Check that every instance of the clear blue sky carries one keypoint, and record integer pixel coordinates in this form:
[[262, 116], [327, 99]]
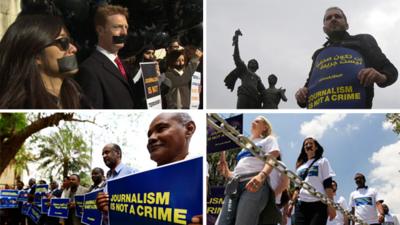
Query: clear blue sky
[[352, 143]]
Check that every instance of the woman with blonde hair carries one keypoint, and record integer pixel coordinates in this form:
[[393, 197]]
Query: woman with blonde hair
[[248, 192]]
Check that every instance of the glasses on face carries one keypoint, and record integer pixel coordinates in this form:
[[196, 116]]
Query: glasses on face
[[63, 43]]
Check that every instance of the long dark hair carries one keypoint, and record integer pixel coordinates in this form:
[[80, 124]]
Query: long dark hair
[[302, 158], [21, 85]]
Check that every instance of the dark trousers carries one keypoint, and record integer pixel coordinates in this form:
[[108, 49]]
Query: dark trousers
[[310, 213]]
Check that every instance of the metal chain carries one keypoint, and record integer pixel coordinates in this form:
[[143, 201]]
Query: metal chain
[[219, 124]]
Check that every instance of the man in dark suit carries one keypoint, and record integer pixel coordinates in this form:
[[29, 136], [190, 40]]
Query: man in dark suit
[[102, 76]]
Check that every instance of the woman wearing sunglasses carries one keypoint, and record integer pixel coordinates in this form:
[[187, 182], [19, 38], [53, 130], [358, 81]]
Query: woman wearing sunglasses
[[248, 191], [37, 62], [316, 170]]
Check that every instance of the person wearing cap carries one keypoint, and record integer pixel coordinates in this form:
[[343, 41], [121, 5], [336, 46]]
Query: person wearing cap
[[248, 191], [316, 170], [366, 203]]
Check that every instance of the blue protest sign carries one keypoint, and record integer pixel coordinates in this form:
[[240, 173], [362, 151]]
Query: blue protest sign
[[40, 191], [215, 199], [34, 213], [217, 141], [59, 207], [25, 208], [91, 215], [167, 194], [79, 199], [45, 205], [333, 82], [22, 196], [8, 199]]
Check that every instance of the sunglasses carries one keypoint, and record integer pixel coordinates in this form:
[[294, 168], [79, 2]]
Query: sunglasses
[[63, 43]]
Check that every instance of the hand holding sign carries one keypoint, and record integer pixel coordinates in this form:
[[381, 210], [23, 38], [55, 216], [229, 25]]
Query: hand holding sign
[[369, 76], [102, 201], [197, 220], [301, 95]]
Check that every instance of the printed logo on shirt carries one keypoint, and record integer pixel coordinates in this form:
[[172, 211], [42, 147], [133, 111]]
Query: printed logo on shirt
[[363, 201], [313, 172], [245, 153]]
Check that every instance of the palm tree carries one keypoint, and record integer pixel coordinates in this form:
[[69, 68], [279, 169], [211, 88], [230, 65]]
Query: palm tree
[[64, 152], [22, 158]]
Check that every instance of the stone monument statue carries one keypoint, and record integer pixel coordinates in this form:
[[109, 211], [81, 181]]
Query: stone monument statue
[[272, 96], [250, 92]]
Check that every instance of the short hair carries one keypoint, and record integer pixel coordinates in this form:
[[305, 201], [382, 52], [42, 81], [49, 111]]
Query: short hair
[[116, 148], [74, 174], [268, 124], [103, 11], [335, 8], [173, 56], [99, 169], [182, 118]]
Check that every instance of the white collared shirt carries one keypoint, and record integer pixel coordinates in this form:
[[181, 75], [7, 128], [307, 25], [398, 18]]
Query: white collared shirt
[[109, 55]]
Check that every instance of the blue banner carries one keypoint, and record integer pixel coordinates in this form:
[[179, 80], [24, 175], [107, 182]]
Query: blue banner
[[333, 82], [167, 194], [217, 141], [34, 214], [45, 205], [59, 207], [8, 199], [79, 199], [22, 196], [215, 199], [26, 206], [91, 215], [40, 191]]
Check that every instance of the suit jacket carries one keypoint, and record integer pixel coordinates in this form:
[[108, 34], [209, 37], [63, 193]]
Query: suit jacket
[[103, 83]]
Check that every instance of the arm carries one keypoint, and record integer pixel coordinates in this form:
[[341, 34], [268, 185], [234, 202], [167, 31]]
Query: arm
[[381, 212], [236, 55], [331, 210], [223, 167], [283, 184], [257, 181], [380, 70], [283, 95], [292, 202]]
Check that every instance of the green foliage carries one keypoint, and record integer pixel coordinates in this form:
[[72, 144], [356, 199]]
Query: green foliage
[[22, 158], [64, 152], [394, 118], [215, 178], [12, 122]]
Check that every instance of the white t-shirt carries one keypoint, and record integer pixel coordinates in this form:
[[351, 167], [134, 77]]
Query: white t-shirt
[[364, 202], [251, 164], [318, 172], [339, 219], [274, 179], [390, 220]]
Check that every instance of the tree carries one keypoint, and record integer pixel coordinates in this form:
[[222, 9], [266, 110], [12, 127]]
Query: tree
[[15, 130], [64, 152], [394, 118], [22, 158]]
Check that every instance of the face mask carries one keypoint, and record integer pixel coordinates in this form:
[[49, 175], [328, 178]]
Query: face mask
[[67, 64], [119, 39]]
